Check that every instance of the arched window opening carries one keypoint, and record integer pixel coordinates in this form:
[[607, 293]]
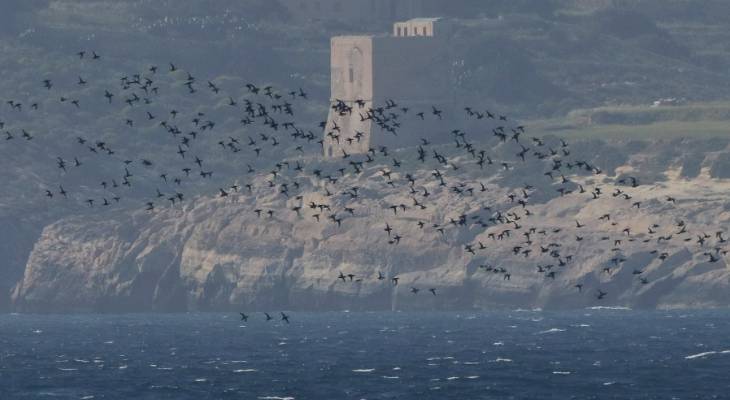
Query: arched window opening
[[354, 71]]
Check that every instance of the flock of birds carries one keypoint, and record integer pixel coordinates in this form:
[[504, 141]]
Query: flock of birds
[[282, 142], [506, 223]]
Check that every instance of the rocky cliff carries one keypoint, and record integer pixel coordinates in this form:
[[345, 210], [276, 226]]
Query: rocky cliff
[[213, 253]]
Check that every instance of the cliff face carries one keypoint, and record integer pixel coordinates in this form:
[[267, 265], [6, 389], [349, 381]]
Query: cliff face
[[217, 254]]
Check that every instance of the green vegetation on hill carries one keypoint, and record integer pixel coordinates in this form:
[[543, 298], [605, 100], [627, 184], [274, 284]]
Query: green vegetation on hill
[[695, 120]]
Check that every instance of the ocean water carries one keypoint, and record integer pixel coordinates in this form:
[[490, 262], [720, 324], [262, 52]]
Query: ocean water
[[583, 354]]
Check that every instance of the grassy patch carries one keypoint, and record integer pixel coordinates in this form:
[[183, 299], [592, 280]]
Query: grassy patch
[[697, 120]]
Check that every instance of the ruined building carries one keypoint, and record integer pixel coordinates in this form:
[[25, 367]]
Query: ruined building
[[411, 68]]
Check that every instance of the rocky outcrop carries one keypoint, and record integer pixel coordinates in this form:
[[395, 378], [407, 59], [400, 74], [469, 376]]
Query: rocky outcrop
[[217, 254]]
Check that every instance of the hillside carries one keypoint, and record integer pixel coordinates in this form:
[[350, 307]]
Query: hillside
[[550, 68], [217, 254]]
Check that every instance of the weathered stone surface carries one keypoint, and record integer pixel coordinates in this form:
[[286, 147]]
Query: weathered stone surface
[[216, 254]]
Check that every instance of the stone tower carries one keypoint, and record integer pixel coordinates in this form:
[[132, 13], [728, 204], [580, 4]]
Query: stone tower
[[410, 67]]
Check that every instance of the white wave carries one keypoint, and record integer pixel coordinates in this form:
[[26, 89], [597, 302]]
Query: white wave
[[364, 370], [500, 359], [275, 398], [81, 361], [472, 377], [68, 369], [471, 363], [201, 380], [498, 344], [87, 397], [391, 377], [561, 372], [607, 308], [238, 371], [700, 355], [553, 330], [123, 366], [452, 378]]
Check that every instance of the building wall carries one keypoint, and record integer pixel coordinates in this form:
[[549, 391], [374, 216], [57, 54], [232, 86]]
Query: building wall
[[351, 63], [351, 75], [423, 27]]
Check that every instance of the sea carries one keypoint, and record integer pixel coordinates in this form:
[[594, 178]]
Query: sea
[[598, 353]]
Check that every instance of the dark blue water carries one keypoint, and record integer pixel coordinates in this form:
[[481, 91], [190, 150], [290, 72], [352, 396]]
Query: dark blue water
[[589, 354]]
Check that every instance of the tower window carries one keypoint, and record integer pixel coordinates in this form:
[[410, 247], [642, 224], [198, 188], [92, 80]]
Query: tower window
[[424, 31], [399, 31], [405, 31], [354, 63]]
